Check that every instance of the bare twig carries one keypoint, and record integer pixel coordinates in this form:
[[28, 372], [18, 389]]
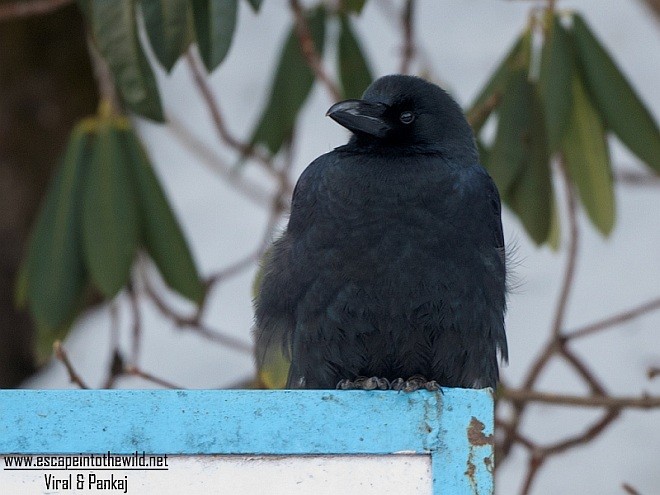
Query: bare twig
[[137, 323], [597, 401], [135, 371], [116, 363], [116, 369], [309, 51], [611, 321], [585, 373], [252, 190], [626, 487], [573, 242], [519, 437], [104, 78], [533, 465], [407, 26], [653, 373], [654, 5], [214, 108], [591, 433], [21, 9], [192, 323], [630, 178], [60, 354]]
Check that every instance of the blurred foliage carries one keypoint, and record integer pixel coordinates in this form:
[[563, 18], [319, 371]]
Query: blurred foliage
[[559, 98], [104, 204], [564, 106]]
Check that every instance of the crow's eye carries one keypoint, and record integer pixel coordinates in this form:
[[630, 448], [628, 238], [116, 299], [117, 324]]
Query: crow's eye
[[406, 117]]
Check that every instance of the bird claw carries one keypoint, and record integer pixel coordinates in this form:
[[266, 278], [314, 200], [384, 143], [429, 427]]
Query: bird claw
[[415, 383], [364, 383]]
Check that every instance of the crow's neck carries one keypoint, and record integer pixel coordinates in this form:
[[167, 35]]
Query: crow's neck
[[455, 151]]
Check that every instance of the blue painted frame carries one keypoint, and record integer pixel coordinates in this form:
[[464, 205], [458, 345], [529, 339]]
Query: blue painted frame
[[454, 427]]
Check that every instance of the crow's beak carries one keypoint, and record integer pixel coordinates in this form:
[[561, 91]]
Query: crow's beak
[[361, 116]]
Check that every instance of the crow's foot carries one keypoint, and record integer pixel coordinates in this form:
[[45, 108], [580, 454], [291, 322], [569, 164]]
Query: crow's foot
[[414, 383], [364, 383]]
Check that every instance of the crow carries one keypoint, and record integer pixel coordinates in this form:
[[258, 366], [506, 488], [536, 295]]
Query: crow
[[391, 271]]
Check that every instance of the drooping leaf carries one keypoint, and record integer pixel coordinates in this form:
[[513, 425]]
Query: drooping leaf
[[255, 4], [110, 219], [493, 91], [531, 196], [161, 232], [215, 21], [587, 160], [167, 25], [291, 85], [354, 70], [613, 97], [54, 275], [116, 35], [518, 159], [509, 153], [47, 334], [555, 81]]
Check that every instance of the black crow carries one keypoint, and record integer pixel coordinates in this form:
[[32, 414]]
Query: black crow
[[391, 271]]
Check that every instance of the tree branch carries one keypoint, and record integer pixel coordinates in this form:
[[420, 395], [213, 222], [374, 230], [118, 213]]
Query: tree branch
[[309, 51], [407, 26], [135, 371], [252, 190], [611, 321], [192, 323], [60, 354], [517, 396], [244, 148], [573, 243], [21, 9]]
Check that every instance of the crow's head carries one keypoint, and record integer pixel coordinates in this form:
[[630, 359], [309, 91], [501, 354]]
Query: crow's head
[[406, 111]]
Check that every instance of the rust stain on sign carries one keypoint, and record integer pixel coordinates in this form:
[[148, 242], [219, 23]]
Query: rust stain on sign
[[475, 434], [476, 438]]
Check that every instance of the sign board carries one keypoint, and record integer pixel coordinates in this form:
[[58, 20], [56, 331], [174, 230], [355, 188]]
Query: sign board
[[246, 442]]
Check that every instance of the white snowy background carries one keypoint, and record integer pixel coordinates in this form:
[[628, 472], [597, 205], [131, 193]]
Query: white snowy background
[[463, 41]]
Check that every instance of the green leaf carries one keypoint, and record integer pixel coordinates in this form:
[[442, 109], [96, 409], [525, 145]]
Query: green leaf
[[531, 196], [614, 98], [110, 213], [493, 91], [354, 6], [255, 4], [518, 159], [167, 25], [161, 234], [509, 152], [588, 162], [48, 334], [215, 21], [555, 81], [293, 82], [354, 70], [54, 275], [116, 36]]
